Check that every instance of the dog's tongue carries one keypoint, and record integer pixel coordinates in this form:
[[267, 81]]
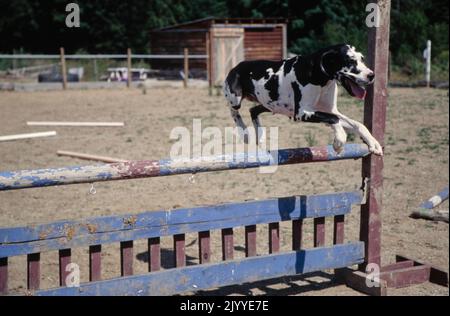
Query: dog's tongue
[[358, 92]]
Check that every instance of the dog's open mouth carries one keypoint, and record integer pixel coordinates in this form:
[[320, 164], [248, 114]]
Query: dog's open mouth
[[354, 89]]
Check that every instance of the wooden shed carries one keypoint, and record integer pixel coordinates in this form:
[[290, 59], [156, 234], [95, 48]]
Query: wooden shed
[[230, 41]]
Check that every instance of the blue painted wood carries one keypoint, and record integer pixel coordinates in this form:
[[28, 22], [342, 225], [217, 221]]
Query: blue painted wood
[[102, 230], [206, 276], [436, 200], [157, 168]]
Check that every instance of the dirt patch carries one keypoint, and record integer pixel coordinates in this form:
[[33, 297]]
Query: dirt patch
[[416, 167]]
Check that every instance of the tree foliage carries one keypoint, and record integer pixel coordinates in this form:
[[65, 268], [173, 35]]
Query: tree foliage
[[110, 26]]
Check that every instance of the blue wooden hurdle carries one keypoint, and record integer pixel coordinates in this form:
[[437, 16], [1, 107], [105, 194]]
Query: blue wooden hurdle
[[65, 235]]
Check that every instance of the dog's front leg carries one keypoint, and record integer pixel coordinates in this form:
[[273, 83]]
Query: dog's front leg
[[359, 128], [340, 137]]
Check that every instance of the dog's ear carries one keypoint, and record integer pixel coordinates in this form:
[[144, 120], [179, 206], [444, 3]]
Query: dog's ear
[[329, 63]]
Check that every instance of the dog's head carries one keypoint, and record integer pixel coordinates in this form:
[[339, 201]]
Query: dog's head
[[345, 64]]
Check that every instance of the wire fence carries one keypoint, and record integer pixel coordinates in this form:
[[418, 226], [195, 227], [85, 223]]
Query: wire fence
[[40, 68]]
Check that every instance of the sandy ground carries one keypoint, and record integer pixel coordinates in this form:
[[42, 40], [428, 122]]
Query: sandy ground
[[416, 167]]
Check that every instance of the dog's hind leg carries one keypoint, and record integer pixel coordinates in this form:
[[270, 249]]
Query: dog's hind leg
[[233, 93], [254, 113], [242, 128]]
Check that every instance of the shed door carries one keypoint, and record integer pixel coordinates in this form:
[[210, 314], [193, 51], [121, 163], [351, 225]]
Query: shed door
[[228, 50]]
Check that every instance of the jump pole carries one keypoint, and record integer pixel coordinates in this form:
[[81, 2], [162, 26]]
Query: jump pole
[[157, 168], [88, 156], [77, 124], [26, 136]]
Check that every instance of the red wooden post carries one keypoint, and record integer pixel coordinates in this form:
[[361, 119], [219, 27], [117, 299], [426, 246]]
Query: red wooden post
[[180, 250], [297, 226], [274, 237], [95, 263], [319, 231], [204, 248], [227, 244], [64, 260], [154, 254], [374, 119], [126, 258], [338, 229], [3, 276], [250, 240], [34, 271]]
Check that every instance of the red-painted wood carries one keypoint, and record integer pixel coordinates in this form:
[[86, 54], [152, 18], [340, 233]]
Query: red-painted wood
[[34, 271], [204, 247], [375, 120], [64, 260], [126, 258], [154, 254], [338, 229], [274, 237], [3, 276], [297, 229], [250, 240], [227, 244], [319, 231], [95, 263], [179, 246]]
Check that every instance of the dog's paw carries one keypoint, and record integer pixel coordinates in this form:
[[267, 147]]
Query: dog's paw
[[376, 149], [338, 145]]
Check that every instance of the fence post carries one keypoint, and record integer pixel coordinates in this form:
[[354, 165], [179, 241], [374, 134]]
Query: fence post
[[428, 63], [186, 67], [129, 75], [63, 68], [208, 63], [95, 70]]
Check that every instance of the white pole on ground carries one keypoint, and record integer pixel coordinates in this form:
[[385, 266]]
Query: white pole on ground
[[25, 136]]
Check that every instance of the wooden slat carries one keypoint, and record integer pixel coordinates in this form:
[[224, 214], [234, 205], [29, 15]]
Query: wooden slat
[[64, 260], [274, 237], [110, 229], [297, 230], [3, 276], [406, 276], [34, 271], [319, 232], [338, 229], [206, 276], [204, 247], [126, 258], [154, 254], [95, 263], [179, 247], [227, 244], [250, 241]]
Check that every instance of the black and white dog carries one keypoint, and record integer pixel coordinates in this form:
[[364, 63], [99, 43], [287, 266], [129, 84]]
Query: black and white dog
[[303, 88]]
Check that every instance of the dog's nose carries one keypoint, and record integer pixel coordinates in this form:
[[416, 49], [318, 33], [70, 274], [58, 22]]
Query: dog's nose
[[371, 76]]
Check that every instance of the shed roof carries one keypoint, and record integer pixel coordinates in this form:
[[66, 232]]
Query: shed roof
[[208, 21]]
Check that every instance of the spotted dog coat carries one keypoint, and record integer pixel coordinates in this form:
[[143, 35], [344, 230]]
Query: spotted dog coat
[[303, 88]]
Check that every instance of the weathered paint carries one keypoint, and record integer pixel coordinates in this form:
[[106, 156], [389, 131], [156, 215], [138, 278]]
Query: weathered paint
[[157, 168], [95, 263], [102, 230], [205, 276], [375, 120], [436, 199]]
